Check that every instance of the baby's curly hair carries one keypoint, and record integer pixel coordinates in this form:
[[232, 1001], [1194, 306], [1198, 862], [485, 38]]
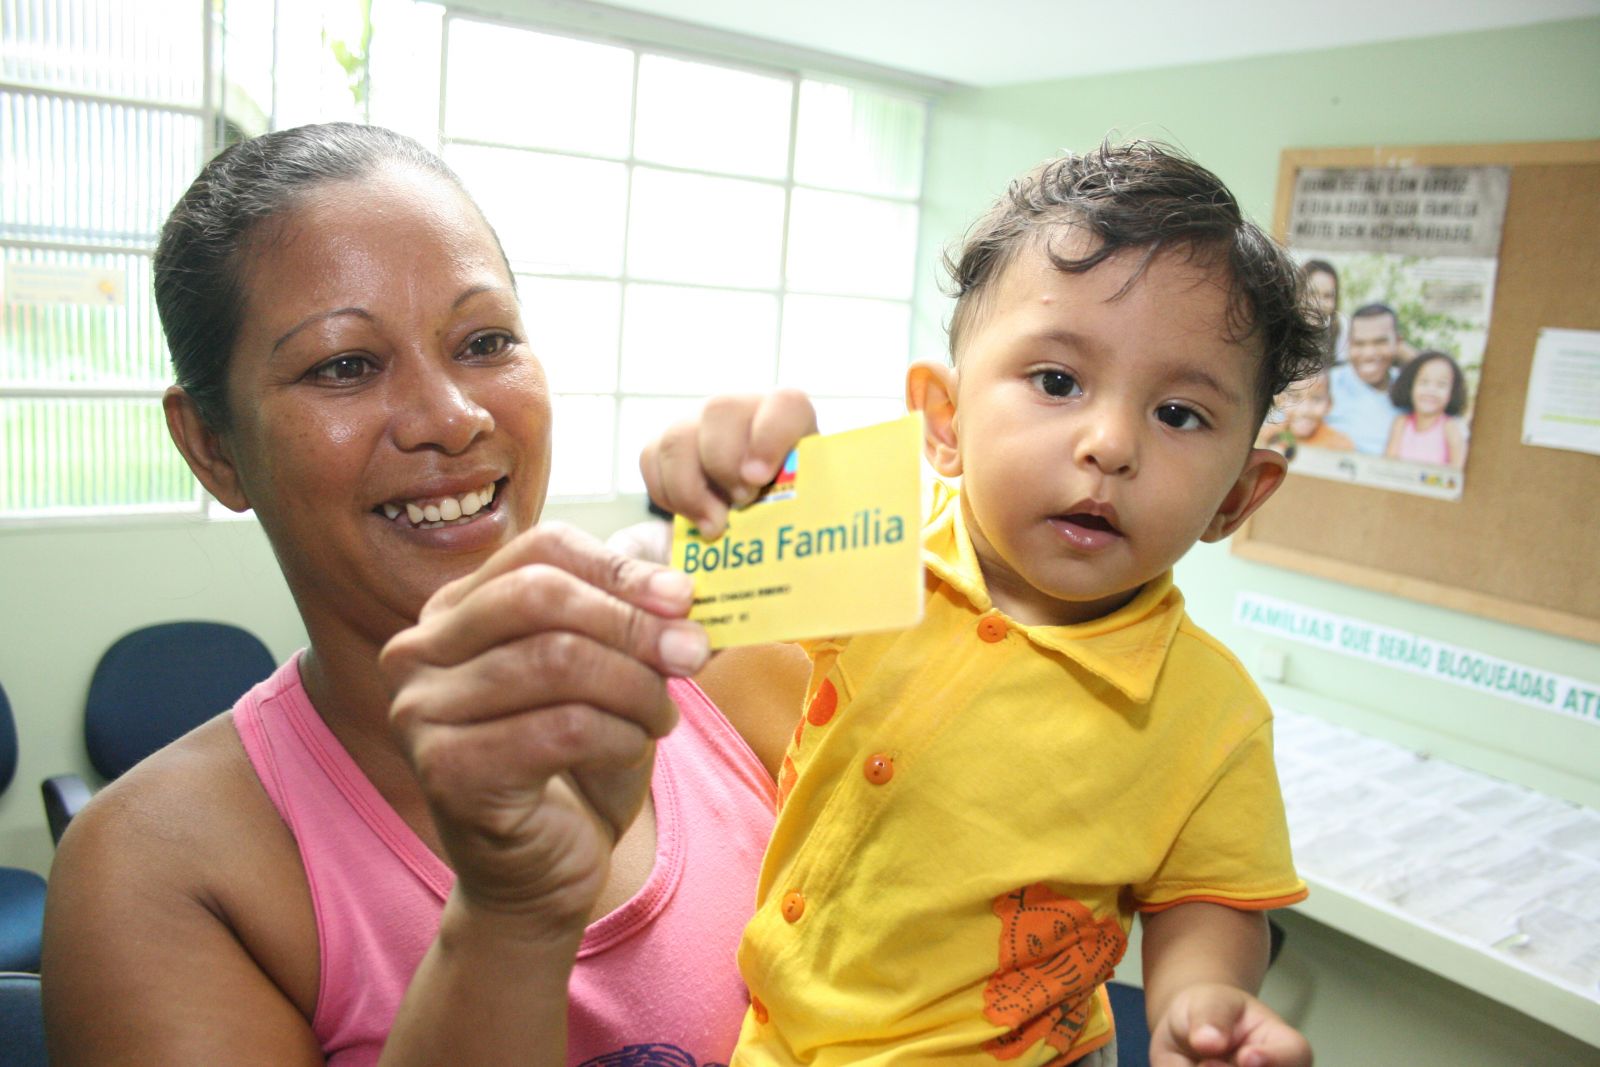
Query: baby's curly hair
[[1146, 195]]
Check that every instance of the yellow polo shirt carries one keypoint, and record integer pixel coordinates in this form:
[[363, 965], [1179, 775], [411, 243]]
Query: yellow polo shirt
[[972, 810]]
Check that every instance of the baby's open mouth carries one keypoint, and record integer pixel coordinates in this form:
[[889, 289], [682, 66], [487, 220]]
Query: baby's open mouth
[[1090, 522], [427, 513]]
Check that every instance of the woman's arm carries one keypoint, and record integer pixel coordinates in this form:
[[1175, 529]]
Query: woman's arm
[[529, 696], [761, 690], [179, 927]]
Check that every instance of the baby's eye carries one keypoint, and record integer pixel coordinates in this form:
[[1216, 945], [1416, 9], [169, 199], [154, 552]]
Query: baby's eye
[[1057, 383], [1179, 417], [342, 369], [490, 345]]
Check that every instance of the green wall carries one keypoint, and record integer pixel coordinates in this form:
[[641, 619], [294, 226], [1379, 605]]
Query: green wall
[[1533, 84]]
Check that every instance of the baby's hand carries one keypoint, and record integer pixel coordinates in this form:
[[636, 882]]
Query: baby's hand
[[1214, 1025], [701, 467]]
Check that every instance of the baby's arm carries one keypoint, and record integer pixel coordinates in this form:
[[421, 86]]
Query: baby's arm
[[701, 467], [1455, 443], [1202, 965]]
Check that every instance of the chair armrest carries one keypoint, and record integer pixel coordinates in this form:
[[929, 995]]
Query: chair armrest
[[64, 796]]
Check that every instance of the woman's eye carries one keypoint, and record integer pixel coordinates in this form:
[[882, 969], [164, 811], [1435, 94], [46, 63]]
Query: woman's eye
[[1179, 417], [489, 345], [1057, 383], [342, 369]]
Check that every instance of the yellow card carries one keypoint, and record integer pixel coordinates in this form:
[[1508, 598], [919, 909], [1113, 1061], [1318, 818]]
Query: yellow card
[[832, 547]]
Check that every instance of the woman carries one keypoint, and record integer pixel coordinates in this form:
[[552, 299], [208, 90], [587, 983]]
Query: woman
[[455, 778], [1322, 286]]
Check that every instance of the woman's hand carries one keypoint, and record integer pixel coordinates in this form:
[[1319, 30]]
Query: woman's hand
[[529, 696], [737, 445]]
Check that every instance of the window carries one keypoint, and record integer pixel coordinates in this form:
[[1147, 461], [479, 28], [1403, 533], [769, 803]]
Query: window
[[103, 122], [679, 225]]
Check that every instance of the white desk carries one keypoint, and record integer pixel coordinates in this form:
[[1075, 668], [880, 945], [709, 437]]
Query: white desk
[[1486, 883]]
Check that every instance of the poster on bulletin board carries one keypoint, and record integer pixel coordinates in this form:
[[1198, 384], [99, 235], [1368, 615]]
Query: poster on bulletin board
[[1401, 261], [1510, 546]]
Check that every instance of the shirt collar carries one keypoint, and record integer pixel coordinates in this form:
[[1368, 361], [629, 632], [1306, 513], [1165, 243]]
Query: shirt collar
[[1126, 648]]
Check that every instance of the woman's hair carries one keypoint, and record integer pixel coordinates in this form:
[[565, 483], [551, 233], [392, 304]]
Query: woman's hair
[[1322, 266], [1400, 390], [200, 258], [1148, 196]]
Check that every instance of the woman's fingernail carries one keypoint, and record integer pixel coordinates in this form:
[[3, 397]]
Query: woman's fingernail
[[684, 648], [671, 585], [755, 472]]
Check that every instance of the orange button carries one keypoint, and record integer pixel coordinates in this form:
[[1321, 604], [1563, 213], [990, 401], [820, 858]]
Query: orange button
[[992, 628], [759, 1009], [823, 705], [879, 768], [794, 906]]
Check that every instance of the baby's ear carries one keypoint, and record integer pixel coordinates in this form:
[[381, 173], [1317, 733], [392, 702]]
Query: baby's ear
[[1263, 473], [931, 389]]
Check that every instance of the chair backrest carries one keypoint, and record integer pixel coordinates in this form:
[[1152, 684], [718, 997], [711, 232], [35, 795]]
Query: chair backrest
[[159, 682], [8, 741], [21, 1021]]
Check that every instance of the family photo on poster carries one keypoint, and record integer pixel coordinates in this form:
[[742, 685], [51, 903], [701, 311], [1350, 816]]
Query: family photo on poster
[[1401, 263]]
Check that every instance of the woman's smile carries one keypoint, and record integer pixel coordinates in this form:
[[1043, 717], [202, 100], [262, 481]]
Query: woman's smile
[[431, 511]]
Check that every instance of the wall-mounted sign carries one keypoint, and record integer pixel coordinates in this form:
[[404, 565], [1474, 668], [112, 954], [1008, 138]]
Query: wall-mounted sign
[[1417, 654], [64, 283]]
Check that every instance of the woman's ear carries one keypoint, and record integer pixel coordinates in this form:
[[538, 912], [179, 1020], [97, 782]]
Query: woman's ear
[[1263, 473], [931, 389], [203, 449]]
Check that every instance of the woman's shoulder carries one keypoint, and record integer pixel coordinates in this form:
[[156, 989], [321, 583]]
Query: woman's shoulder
[[191, 794], [185, 849], [760, 690]]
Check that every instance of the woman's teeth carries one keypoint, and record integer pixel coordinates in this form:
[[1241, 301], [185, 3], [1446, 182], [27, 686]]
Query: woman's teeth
[[439, 512]]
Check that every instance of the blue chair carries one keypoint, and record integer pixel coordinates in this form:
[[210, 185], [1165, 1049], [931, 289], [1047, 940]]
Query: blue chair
[[1133, 1033], [151, 687], [21, 1022], [21, 890]]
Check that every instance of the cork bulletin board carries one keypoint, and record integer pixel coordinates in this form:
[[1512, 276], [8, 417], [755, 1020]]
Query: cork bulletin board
[[1522, 544]]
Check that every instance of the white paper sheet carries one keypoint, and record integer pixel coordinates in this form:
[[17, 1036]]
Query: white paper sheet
[[1563, 409]]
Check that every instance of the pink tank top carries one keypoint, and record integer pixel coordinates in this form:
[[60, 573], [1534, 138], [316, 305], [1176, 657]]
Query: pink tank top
[[655, 982], [1426, 446]]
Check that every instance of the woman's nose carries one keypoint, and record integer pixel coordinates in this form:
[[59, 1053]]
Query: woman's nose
[[435, 408]]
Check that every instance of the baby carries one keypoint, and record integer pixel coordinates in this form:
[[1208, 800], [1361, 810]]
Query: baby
[[973, 810]]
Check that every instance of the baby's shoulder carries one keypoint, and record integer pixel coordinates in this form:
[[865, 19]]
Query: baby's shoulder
[[1198, 662]]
